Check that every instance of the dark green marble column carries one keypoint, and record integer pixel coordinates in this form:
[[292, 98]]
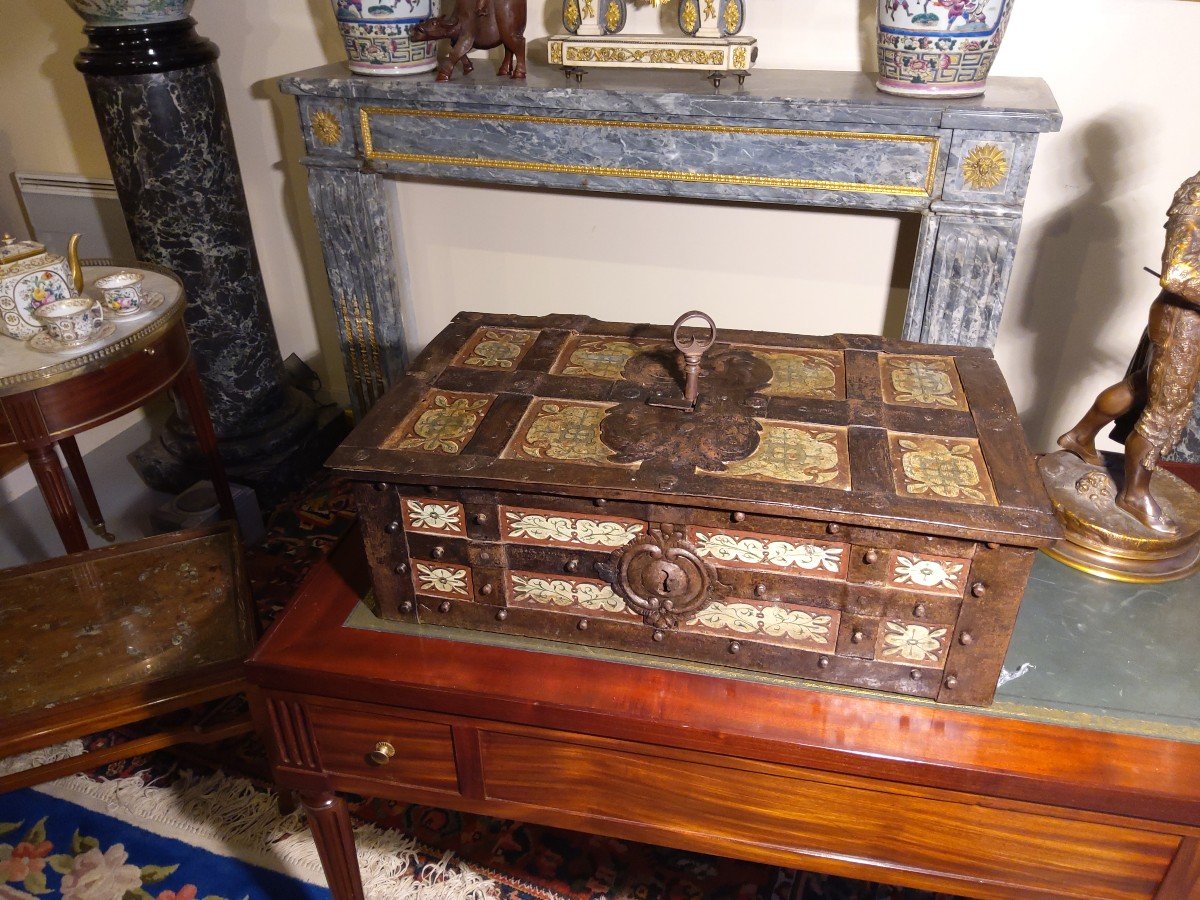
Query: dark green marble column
[[161, 108]]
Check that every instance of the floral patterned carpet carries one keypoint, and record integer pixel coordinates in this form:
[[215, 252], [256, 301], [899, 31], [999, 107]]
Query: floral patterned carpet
[[519, 860]]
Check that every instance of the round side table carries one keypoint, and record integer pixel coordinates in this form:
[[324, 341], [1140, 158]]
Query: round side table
[[48, 398]]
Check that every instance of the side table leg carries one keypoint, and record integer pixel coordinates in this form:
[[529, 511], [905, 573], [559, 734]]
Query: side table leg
[[330, 823], [49, 474], [70, 452], [191, 391]]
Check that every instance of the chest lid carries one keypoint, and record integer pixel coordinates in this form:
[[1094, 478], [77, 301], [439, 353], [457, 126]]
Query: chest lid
[[849, 428]]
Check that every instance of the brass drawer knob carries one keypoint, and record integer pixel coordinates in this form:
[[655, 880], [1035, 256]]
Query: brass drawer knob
[[738, 516], [857, 637], [392, 527], [438, 552], [978, 589], [871, 557], [382, 754], [572, 565]]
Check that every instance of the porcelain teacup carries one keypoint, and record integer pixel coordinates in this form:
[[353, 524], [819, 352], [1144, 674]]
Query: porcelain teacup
[[122, 292], [72, 321]]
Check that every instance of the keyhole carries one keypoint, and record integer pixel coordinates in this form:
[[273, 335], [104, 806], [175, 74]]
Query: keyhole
[[666, 585]]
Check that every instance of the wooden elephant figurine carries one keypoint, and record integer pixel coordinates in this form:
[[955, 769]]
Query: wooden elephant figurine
[[481, 24]]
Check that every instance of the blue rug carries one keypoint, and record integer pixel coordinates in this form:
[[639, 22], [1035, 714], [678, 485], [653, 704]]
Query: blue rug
[[202, 838]]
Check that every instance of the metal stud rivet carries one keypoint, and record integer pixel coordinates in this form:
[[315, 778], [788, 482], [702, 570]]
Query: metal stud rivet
[[438, 552], [600, 501], [480, 518], [871, 557], [738, 516], [583, 625], [978, 589], [381, 485], [401, 568], [823, 662], [572, 565], [502, 615], [834, 528], [486, 590], [915, 674], [734, 646], [951, 682], [444, 606], [392, 527], [857, 637], [760, 590], [659, 635]]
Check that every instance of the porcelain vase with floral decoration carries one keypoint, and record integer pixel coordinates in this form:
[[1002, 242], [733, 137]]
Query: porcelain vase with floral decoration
[[941, 48], [108, 13], [376, 34]]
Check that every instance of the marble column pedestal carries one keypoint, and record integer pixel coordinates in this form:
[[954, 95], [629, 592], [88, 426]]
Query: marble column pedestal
[[161, 109]]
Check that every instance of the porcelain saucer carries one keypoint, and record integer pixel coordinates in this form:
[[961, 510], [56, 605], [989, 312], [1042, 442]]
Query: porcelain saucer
[[152, 302], [46, 344]]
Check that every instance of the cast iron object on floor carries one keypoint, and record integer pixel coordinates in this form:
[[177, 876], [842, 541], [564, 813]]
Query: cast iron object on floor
[[161, 110]]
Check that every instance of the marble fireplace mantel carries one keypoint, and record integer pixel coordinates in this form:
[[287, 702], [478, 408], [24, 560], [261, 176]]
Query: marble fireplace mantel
[[802, 138]]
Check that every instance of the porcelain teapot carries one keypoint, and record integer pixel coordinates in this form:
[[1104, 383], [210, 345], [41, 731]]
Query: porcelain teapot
[[30, 277]]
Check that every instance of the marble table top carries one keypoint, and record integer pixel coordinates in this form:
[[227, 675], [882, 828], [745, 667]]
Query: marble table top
[[22, 368]]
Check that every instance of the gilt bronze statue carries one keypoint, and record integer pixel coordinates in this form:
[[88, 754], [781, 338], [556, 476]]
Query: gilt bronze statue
[[1140, 523]]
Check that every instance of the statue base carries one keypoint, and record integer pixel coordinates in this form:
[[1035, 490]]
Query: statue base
[[734, 55], [1104, 540]]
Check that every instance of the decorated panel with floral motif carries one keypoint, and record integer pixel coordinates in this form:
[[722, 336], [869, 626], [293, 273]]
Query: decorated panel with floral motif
[[913, 643], [442, 423], [442, 517], [940, 468], [438, 579], [555, 529], [819, 374], [496, 348], [930, 382], [798, 454], [801, 627], [768, 553], [561, 593], [562, 431], [589, 356], [928, 574]]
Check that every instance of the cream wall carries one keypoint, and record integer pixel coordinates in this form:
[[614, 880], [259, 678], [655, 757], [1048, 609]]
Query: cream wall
[[1078, 299]]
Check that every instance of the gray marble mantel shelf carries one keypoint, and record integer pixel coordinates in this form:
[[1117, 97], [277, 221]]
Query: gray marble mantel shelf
[[803, 138]]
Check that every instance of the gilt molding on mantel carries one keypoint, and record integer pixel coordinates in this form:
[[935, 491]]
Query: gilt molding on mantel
[[802, 138]]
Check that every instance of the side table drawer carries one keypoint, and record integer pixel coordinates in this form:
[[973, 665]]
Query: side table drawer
[[348, 738], [788, 815]]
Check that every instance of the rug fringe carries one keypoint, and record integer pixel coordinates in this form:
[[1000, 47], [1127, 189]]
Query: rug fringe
[[231, 816], [23, 762]]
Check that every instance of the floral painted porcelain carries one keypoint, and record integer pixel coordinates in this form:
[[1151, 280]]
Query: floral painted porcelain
[[131, 12], [73, 321], [122, 292], [376, 35], [29, 279], [939, 47]]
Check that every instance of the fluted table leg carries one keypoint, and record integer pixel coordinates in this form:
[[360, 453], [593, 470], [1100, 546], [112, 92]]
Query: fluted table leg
[[330, 823]]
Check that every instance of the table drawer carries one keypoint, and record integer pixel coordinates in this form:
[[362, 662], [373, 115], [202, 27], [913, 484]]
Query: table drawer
[[770, 810], [422, 757]]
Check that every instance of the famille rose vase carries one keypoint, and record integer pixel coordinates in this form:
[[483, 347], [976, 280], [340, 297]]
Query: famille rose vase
[[110, 13], [376, 34], [939, 47]]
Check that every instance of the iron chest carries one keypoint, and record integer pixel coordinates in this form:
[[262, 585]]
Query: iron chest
[[847, 509]]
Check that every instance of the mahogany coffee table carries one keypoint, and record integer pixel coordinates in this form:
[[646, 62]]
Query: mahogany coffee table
[[1082, 781]]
